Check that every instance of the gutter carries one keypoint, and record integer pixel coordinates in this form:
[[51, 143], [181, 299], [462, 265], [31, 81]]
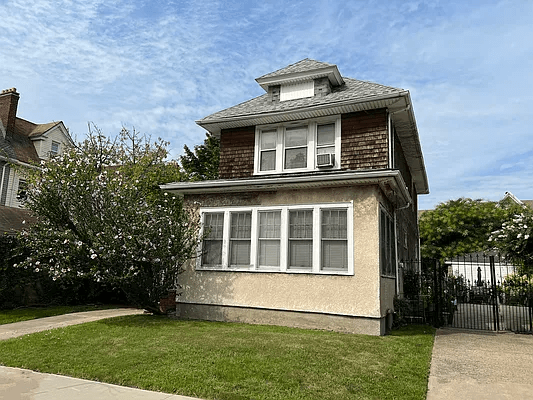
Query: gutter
[[17, 162]]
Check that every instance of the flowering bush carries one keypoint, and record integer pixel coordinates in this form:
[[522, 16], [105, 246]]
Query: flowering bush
[[515, 239], [101, 214], [517, 286]]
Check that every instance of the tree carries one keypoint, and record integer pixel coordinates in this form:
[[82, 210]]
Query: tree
[[461, 226], [515, 240], [101, 214], [202, 164]]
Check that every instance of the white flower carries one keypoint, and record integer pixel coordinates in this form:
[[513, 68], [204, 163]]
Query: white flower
[[93, 256]]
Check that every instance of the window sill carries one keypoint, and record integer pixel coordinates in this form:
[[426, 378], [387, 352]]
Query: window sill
[[273, 270]]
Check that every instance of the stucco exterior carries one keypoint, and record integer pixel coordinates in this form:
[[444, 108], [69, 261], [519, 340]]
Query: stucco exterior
[[354, 296]]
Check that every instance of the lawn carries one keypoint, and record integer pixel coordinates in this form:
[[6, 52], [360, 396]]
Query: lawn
[[229, 361], [24, 314]]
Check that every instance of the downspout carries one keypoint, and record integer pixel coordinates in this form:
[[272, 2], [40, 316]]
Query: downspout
[[396, 255], [391, 139]]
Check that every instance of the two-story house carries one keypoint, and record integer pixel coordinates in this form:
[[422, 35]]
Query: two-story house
[[315, 206], [23, 144]]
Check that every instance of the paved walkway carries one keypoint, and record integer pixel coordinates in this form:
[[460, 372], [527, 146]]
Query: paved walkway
[[22, 384], [477, 365]]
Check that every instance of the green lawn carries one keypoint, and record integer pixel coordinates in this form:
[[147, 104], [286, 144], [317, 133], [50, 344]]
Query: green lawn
[[24, 314], [230, 361]]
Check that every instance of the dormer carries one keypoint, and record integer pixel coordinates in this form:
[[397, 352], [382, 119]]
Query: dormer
[[307, 78]]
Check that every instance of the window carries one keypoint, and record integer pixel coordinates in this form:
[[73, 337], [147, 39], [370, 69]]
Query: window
[[269, 238], [55, 148], [334, 240], [294, 147], [268, 150], [212, 244], [299, 238], [387, 244], [22, 192], [240, 238]]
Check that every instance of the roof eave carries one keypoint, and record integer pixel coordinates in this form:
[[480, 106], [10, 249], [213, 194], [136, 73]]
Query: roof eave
[[332, 72], [391, 182], [216, 125]]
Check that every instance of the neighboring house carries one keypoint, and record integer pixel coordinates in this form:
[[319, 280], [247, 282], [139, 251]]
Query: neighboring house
[[315, 205], [23, 144]]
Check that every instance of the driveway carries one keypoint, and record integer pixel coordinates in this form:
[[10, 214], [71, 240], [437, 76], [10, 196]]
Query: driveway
[[481, 365]]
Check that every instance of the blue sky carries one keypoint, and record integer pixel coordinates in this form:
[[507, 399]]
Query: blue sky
[[160, 65]]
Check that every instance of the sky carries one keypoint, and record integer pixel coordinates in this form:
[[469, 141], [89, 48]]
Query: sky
[[158, 66]]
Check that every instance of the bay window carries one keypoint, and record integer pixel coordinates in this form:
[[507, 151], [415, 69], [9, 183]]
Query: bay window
[[296, 239], [294, 147]]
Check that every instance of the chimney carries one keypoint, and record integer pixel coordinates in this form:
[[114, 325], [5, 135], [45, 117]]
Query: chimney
[[9, 99]]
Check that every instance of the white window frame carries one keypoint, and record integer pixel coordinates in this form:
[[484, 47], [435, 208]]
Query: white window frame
[[311, 145], [284, 238], [52, 151]]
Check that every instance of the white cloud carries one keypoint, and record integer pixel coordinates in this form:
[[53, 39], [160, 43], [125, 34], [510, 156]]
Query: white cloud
[[159, 66]]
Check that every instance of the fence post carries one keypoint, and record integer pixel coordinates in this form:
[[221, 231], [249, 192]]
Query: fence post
[[494, 294], [436, 295]]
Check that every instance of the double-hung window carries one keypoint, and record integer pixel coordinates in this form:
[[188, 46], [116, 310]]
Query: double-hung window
[[387, 244], [334, 240], [269, 239], [240, 238], [294, 147], [301, 239], [212, 244], [314, 238], [54, 149]]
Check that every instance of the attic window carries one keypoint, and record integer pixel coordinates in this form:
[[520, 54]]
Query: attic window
[[297, 90], [55, 148]]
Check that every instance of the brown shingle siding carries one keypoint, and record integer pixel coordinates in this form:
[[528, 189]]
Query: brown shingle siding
[[364, 141], [237, 152]]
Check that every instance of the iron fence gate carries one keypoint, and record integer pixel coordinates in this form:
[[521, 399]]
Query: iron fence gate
[[471, 292]]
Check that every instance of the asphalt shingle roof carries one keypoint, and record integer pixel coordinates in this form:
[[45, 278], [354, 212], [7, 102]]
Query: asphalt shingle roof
[[11, 219], [352, 89], [301, 66]]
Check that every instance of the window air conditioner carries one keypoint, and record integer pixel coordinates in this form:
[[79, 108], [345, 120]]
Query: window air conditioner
[[325, 160]]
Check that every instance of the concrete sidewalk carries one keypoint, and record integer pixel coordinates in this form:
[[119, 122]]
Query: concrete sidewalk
[[21, 384], [479, 365], [16, 329]]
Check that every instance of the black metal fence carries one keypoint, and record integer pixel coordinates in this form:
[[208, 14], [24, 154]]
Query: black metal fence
[[477, 291]]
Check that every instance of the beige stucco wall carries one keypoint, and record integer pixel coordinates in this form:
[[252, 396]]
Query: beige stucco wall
[[355, 295]]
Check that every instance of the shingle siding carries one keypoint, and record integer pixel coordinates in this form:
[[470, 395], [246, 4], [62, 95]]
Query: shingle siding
[[364, 140], [237, 152]]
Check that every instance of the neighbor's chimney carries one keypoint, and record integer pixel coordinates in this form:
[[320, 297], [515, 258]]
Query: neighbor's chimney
[[9, 99]]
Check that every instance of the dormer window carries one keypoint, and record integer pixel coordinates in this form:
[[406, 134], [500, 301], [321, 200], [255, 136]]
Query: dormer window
[[55, 148], [296, 147], [297, 90]]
